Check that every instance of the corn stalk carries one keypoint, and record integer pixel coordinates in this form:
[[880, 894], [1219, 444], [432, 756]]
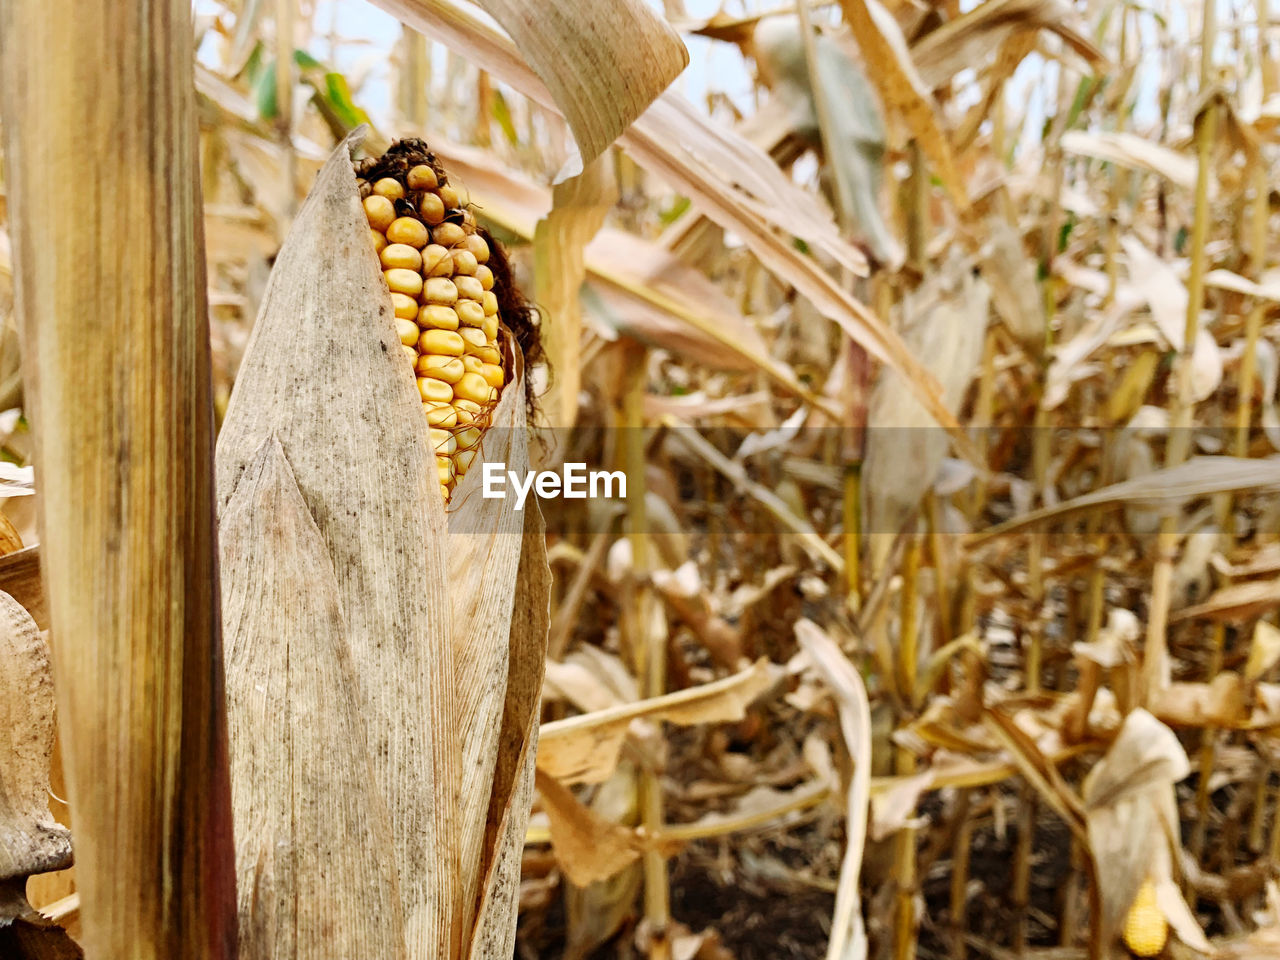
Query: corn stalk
[[110, 285]]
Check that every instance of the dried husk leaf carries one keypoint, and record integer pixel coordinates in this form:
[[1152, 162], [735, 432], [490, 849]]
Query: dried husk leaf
[[324, 374], [511, 796], [1131, 813], [584, 749], [313, 836], [31, 841], [486, 543]]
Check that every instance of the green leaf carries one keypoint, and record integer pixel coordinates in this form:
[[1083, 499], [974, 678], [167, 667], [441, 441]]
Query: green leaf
[[502, 114], [675, 211], [338, 95], [306, 61], [264, 93]]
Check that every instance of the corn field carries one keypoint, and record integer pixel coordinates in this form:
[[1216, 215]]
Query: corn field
[[607, 478]]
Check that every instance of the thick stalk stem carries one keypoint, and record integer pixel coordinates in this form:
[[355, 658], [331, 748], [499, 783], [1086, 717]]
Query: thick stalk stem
[[103, 181]]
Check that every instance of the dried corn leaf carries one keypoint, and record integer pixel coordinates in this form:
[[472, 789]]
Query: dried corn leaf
[[962, 43], [30, 840], [324, 374], [848, 934], [892, 70], [946, 323], [604, 63], [584, 749], [1130, 150], [577, 213], [1264, 651], [1236, 601], [313, 835], [1165, 490], [588, 847]]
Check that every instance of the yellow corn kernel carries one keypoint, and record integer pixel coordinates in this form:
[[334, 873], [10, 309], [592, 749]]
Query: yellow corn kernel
[[433, 390], [492, 374], [408, 282], [444, 468], [447, 235], [390, 188], [472, 338], [436, 261], [490, 303], [431, 208], [473, 387], [400, 256], [1145, 928], [466, 437], [442, 442], [471, 364], [422, 177], [441, 290], [444, 343], [448, 369], [405, 306], [470, 313], [448, 196], [437, 317], [462, 461], [490, 328], [468, 411], [469, 287], [464, 262], [408, 231], [379, 241], [440, 414], [485, 276], [489, 355], [380, 211], [407, 331], [410, 353], [479, 247]]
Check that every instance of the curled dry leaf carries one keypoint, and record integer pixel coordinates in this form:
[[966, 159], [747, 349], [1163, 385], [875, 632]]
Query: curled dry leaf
[[568, 47], [585, 749], [588, 847]]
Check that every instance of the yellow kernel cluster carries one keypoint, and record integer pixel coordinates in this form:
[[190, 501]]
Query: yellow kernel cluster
[[446, 311], [1145, 928]]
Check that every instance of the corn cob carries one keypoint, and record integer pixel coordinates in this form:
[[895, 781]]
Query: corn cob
[[435, 263], [1145, 928]]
